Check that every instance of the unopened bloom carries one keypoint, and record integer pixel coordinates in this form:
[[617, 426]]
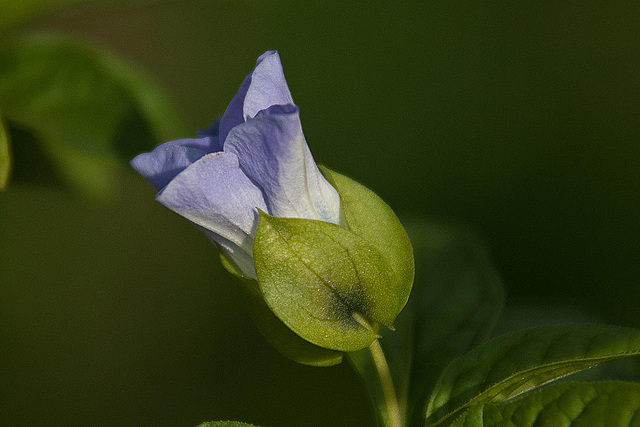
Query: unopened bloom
[[254, 157], [328, 267]]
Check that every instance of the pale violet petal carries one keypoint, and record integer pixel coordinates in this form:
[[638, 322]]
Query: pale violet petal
[[243, 260], [169, 159], [268, 86], [216, 195], [263, 87], [273, 153]]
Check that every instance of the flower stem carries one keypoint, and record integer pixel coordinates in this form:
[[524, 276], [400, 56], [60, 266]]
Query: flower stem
[[391, 401]]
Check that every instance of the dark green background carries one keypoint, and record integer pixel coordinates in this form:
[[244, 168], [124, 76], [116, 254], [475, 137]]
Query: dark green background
[[518, 120]]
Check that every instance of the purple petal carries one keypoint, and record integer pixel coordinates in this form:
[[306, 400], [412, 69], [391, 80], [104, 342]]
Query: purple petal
[[169, 159], [243, 260], [216, 195], [273, 153], [263, 87]]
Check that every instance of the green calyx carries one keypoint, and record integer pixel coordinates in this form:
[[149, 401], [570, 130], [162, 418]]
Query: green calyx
[[331, 285], [368, 216]]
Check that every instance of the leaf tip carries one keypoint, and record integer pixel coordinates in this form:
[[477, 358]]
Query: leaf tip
[[362, 321]]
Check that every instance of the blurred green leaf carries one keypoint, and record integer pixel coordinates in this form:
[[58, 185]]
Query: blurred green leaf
[[31, 165], [5, 159], [225, 424], [456, 300], [88, 109], [15, 12], [371, 218], [515, 363], [612, 404], [323, 281]]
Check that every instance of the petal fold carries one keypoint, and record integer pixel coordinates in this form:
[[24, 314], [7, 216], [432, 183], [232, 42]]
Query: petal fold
[[216, 195], [169, 159], [263, 87], [273, 153]]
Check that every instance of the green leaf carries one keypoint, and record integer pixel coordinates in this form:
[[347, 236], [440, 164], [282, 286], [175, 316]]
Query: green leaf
[[611, 404], [371, 218], [225, 424], [456, 299], [5, 159], [323, 281], [87, 109], [515, 363], [281, 337]]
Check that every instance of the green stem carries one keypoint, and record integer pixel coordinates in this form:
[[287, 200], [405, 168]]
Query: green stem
[[391, 401]]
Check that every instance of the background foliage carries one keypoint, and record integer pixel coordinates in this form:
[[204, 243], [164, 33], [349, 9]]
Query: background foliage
[[519, 121]]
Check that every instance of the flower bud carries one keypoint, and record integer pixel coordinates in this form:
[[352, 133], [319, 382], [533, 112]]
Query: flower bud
[[324, 259]]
